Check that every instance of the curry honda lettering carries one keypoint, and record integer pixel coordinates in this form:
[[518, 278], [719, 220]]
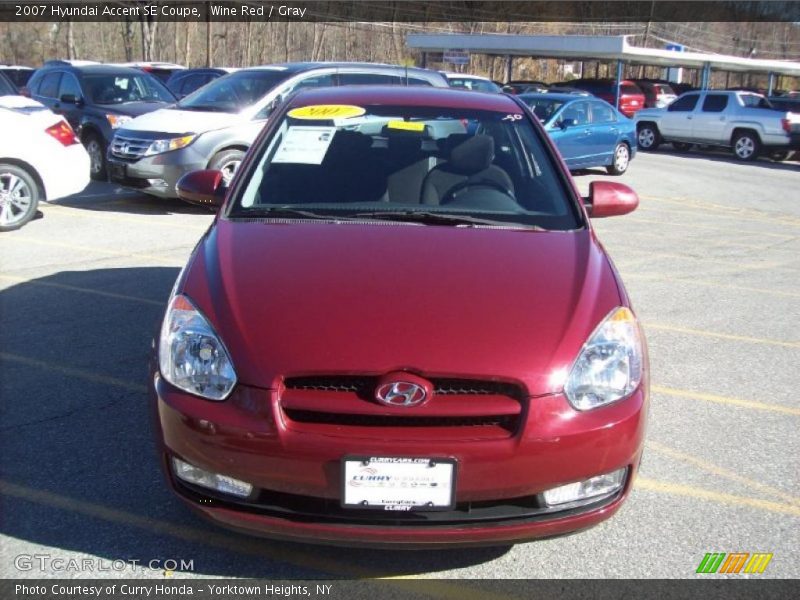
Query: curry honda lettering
[[734, 563]]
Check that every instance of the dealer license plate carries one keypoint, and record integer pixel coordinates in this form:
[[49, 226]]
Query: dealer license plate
[[398, 484]]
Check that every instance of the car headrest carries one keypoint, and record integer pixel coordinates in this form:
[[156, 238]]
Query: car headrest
[[473, 155]]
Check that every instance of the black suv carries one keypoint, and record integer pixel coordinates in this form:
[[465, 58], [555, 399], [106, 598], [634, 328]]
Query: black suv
[[96, 100]]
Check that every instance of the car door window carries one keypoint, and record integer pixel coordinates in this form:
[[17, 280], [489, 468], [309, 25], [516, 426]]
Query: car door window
[[602, 113], [684, 103], [314, 81], [367, 79], [578, 112], [49, 86], [715, 103], [69, 86]]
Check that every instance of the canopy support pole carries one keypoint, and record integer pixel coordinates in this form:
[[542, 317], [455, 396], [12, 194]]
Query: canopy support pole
[[619, 82]]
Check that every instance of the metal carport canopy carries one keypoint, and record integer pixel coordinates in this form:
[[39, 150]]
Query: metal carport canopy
[[593, 47]]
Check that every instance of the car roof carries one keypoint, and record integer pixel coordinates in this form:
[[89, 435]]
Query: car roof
[[298, 67], [93, 69], [406, 96]]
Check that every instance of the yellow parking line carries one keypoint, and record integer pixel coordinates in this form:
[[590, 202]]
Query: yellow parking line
[[73, 372], [740, 215], [678, 489], [662, 223], [733, 265], [82, 248], [703, 282], [726, 243], [721, 471], [706, 207], [75, 288], [723, 336], [667, 391], [239, 544]]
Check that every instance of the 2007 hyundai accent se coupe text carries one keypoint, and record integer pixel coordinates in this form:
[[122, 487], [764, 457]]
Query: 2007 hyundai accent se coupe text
[[401, 330]]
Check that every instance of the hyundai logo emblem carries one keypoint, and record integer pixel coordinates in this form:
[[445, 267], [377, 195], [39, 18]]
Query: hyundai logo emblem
[[400, 393]]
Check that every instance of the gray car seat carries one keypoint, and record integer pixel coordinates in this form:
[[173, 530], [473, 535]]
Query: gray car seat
[[469, 160]]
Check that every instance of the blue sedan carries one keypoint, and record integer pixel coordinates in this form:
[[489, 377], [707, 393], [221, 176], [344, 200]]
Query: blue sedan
[[588, 132]]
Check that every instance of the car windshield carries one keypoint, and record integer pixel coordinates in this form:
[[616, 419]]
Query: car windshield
[[122, 88], [430, 165], [233, 92], [544, 108]]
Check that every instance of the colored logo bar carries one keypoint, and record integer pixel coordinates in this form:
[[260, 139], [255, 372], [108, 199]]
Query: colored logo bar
[[734, 562]]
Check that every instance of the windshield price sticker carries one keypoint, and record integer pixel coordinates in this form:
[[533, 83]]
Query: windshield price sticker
[[326, 111], [398, 484], [304, 145]]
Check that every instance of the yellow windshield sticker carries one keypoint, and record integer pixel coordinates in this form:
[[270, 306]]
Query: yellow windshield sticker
[[406, 125], [326, 111]]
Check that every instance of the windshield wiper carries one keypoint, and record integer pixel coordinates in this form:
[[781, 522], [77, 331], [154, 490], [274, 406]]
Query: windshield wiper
[[202, 107], [280, 212], [437, 218]]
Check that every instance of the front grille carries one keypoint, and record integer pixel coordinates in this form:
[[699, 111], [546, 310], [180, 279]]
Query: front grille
[[309, 416], [365, 386], [474, 408], [129, 148]]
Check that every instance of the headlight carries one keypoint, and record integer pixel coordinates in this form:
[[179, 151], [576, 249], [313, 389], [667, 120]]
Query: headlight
[[117, 121], [609, 366], [161, 146], [191, 355]]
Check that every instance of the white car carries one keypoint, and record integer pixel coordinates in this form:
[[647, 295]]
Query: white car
[[40, 159]]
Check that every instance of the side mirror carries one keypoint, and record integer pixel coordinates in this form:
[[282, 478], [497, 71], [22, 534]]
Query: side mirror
[[202, 187], [564, 123], [610, 199]]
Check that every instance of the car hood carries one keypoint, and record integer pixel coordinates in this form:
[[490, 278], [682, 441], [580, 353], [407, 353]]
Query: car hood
[[292, 299], [173, 120], [132, 109]]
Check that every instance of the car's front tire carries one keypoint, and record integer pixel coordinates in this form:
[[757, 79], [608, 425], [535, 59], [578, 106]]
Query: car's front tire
[[19, 197], [620, 160], [96, 150], [647, 136]]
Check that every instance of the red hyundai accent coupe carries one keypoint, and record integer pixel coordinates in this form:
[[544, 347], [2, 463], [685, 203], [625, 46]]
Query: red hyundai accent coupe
[[401, 329]]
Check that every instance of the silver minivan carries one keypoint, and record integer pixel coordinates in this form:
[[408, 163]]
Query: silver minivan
[[213, 127]]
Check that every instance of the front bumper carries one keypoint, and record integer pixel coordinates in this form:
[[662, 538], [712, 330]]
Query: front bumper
[[156, 175], [296, 472]]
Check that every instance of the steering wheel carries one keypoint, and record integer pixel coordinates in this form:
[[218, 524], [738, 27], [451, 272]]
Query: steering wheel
[[454, 191]]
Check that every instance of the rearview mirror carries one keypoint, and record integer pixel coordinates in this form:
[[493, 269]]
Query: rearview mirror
[[567, 123], [610, 199], [202, 187]]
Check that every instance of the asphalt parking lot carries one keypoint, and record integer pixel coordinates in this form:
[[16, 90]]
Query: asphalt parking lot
[[711, 261]]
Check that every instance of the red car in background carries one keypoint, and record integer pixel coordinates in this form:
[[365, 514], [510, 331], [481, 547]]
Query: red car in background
[[401, 329], [631, 97]]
